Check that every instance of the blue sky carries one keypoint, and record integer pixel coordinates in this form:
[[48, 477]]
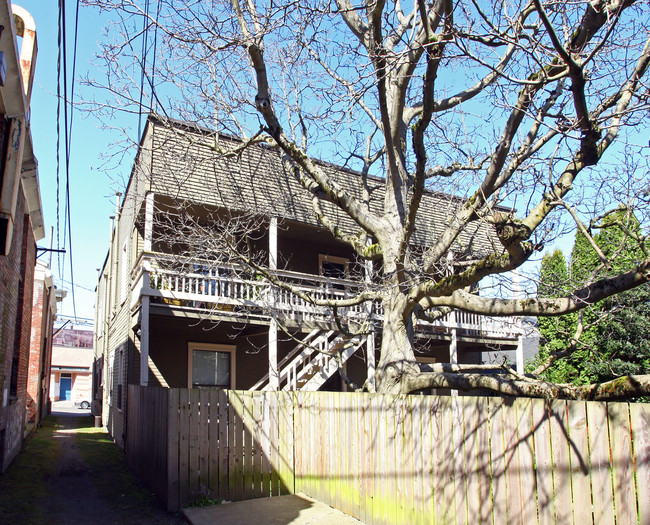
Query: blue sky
[[91, 191]]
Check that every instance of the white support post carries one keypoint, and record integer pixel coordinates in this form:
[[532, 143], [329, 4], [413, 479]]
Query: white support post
[[144, 340], [148, 221], [274, 378], [453, 353], [370, 357], [370, 341], [273, 244], [519, 355]]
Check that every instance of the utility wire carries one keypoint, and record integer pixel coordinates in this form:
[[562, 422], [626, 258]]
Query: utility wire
[[143, 65], [153, 64], [58, 139], [67, 143], [67, 158], [68, 106]]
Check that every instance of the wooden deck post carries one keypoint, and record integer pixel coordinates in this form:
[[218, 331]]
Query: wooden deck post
[[144, 340], [274, 378], [453, 352], [519, 354], [148, 221], [370, 339]]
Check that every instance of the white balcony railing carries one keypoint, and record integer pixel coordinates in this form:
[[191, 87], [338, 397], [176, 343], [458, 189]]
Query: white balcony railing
[[227, 290]]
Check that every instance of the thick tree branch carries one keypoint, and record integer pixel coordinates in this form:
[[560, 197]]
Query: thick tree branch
[[581, 298], [620, 388]]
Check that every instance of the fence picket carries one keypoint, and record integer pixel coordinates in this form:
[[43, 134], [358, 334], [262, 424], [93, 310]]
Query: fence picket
[[224, 444], [397, 459], [204, 442], [363, 430], [448, 510], [543, 462], [265, 443], [193, 429], [214, 446], [640, 419], [257, 446], [438, 480], [184, 447], [497, 458], [621, 452], [526, 461], [513, 482], [600, 465], [402, 423], [173, 432], [247, 463], [561, 467], [458, 455], [471, 424], [237, 406], [418, 460], [275, 453], [579, 454], [285, 443]]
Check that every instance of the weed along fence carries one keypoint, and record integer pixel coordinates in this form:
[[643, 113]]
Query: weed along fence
[[398, 459]]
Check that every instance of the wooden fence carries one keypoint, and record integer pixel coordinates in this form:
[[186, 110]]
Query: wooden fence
[[398, 459]]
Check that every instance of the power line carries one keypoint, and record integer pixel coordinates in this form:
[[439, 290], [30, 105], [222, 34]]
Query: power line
[[68, 105], [58, 137], [77, 286], [143, 66], [67, 160]]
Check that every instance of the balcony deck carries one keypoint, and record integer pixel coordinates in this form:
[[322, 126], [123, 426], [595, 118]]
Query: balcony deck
[[226, 291]]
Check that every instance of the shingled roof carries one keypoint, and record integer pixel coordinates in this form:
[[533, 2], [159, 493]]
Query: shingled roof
[[185, 165]]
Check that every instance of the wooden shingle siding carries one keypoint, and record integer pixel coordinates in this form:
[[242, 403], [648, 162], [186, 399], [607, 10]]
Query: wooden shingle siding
[[184, 166]]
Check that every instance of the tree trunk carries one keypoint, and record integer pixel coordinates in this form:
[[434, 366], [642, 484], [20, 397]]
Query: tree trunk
[[397, 358]]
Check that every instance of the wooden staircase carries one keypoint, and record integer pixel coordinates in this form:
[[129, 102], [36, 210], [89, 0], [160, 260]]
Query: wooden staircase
[[314, 360]]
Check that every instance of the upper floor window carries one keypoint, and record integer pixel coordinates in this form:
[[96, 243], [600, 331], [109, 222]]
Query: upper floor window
[[333, 267], [124, 272]]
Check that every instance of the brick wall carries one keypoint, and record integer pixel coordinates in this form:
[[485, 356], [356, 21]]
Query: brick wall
[[16, 291], [38, 372]]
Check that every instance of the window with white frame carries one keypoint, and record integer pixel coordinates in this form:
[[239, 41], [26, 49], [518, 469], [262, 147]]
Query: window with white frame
[[120, 379], [124, 275], [211, 365], [110, 378]]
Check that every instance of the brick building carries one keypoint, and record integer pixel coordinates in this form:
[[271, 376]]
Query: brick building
[[21, 223], [45, 299]]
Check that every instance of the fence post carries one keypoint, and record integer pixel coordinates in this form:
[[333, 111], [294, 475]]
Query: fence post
[[173, 429]]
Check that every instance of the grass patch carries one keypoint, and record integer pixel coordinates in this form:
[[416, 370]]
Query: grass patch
[[111, 475], [24, 486]]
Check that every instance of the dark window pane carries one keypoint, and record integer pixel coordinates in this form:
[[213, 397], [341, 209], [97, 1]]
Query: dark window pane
[[210, 368]]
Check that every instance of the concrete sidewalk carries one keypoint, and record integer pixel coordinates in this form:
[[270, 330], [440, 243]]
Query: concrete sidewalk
[[280, 510]]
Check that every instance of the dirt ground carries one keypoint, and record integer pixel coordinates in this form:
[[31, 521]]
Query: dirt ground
[[87, 481]]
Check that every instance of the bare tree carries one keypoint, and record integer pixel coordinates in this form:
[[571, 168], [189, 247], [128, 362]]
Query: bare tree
[[533, 105]]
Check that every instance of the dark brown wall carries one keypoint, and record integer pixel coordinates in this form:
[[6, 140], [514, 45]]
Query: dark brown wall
[[168, 348]]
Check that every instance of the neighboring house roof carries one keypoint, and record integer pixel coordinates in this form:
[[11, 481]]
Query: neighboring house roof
[[184, 165]]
